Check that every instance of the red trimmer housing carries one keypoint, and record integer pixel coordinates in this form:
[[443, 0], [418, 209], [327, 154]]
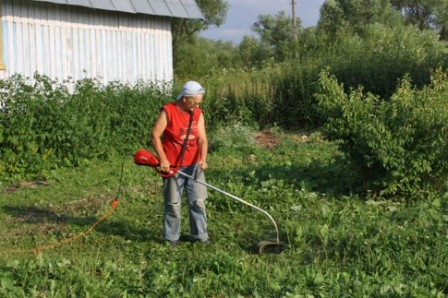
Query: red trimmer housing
[[145, 158]]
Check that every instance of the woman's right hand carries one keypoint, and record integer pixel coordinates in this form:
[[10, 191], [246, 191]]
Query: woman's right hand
[[164, 166]]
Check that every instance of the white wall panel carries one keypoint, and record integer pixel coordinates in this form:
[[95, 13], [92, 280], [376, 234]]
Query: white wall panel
[[64, 42]]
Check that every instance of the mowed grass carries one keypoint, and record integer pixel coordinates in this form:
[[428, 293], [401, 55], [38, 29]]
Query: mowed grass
[[335, 244]]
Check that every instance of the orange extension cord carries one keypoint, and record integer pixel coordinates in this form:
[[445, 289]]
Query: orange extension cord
[[38, 249], [114, 205]]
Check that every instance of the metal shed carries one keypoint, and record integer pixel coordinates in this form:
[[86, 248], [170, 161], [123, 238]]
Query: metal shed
[[110, 40]]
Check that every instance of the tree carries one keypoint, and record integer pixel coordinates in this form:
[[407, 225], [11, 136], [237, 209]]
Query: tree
[[443, 21], [215, 13], [277, 33], [200, 57], [253, 52], [354, 14], [185, 32], [331, 17], [425, 14]]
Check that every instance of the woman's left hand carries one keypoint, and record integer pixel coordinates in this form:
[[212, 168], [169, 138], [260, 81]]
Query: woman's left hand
[[203, 165]]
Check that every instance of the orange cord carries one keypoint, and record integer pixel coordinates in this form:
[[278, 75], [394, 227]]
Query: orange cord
[[38, 249]]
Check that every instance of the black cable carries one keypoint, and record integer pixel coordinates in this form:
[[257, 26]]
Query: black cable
[[120, 185]]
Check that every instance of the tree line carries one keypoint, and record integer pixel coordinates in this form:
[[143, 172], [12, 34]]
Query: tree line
[[273, 34]]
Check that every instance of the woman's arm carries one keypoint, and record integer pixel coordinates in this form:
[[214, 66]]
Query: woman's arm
[[203, 143], [156, 134]]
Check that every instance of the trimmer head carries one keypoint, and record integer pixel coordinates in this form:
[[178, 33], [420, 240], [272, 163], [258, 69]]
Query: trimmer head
[[270, 246]]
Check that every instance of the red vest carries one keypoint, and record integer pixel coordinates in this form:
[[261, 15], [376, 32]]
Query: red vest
[[175, 133]]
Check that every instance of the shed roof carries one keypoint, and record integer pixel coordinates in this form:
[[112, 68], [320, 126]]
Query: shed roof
[[172, 8]]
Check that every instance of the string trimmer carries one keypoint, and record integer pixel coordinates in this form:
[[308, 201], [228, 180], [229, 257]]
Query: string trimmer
[[145, 158]]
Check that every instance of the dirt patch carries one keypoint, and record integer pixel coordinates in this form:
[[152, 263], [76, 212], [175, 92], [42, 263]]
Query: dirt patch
[[266, 139], [76, 211], [86, 206], [29, 215], [24, 184]]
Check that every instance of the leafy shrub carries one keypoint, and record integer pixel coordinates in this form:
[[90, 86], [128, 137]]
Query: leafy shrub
[[398, 146], [27, 114], [44, 126]]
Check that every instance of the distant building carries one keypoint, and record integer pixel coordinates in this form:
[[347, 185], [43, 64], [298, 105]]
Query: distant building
[[110, 40]]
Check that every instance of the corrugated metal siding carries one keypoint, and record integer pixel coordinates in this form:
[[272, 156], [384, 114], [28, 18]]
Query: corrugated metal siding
[[169, 8], [68, 41]]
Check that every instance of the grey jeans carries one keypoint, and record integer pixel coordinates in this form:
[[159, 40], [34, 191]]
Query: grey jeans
[[196, 195]]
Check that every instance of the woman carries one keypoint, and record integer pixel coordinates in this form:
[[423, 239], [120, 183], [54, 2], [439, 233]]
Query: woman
[[180, 140]]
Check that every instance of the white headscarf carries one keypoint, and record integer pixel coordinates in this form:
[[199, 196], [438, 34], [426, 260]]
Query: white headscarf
[[191, 88]]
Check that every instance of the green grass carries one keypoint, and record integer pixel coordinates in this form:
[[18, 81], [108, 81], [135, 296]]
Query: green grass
[[336, 245]]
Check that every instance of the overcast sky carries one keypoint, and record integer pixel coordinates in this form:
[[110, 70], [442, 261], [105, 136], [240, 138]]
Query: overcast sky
[[243, 13]]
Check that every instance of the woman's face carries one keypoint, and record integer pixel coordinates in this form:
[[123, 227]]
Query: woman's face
[[192, 102]]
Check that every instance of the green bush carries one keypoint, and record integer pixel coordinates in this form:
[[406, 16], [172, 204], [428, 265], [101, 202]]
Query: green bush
[[397, 146], [44, 126], [30, 117]]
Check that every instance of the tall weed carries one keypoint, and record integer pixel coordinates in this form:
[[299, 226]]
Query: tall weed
[[44, 126], [245, 96]]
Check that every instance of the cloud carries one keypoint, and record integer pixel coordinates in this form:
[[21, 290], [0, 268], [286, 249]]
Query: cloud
[[257, 7], [233, 35]]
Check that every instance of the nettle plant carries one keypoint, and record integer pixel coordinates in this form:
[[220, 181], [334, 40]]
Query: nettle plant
[[399, 146], [44, 125]]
